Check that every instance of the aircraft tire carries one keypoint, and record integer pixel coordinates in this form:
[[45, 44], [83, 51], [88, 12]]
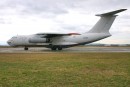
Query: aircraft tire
[[59, 48], [26, 48], [53, 48]]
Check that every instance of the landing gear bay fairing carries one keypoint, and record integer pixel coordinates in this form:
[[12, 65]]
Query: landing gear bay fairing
[[58, 41]]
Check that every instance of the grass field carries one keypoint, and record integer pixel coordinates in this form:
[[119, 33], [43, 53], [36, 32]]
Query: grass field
[[65, 70]]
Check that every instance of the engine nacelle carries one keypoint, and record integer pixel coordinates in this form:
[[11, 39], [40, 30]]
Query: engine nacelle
[[37, 40]]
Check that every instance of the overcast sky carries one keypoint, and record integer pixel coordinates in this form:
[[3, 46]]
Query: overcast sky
[[24, 17]]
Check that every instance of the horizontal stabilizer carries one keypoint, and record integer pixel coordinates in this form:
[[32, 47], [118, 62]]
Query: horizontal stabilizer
[[111, 13]]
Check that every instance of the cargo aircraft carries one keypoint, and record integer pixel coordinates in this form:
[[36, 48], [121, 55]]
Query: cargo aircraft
[[58, 41]]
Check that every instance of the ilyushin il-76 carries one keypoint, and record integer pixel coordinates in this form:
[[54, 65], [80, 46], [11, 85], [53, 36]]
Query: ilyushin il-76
[[58, 41]]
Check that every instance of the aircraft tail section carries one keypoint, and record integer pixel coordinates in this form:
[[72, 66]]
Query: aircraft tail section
[[105, 22]]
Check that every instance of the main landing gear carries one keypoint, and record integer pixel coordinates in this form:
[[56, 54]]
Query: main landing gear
[[56, 48]]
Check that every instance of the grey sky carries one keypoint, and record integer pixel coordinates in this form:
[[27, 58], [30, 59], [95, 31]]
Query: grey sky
[[33, 16]]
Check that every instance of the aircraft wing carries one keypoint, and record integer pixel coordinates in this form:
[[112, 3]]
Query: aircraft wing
[[50, 35]]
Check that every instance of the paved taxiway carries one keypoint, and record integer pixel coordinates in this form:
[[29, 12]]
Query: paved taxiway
[[73, 49]]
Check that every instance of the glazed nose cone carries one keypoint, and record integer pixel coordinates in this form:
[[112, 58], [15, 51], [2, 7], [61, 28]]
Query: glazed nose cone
[[10, 42]]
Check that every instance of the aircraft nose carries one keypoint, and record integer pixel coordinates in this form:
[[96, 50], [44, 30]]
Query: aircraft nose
[[10, 42]]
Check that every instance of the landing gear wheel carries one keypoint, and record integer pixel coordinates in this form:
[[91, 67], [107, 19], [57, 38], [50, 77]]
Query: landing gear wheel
[[59, 48], [53, 48], [56, 48], [26, 48]]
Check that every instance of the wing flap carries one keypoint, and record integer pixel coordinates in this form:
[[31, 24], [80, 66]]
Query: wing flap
[[50, 35]]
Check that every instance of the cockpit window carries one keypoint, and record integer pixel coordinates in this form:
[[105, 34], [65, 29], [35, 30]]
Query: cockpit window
[[14, 37]]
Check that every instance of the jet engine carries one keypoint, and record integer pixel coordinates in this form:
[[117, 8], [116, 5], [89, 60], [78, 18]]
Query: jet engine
[[37, 40]]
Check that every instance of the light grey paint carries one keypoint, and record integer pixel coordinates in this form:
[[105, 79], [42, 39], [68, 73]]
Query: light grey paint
[[98, 32]]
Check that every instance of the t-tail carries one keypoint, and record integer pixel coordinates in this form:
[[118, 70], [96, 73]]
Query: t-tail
[[105, 22]]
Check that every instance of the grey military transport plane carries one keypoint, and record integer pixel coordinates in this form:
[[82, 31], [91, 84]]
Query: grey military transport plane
[[57, 41]]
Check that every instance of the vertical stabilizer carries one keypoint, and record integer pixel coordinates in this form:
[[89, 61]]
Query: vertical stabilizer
[[105, 22]]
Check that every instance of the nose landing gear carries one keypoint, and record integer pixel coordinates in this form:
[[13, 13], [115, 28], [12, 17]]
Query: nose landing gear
[[26, 48]]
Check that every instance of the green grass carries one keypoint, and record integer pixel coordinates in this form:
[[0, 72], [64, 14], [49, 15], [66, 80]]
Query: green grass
[[65, 70]]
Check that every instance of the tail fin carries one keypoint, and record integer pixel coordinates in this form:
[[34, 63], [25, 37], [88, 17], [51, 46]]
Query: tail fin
[[105, 22]]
